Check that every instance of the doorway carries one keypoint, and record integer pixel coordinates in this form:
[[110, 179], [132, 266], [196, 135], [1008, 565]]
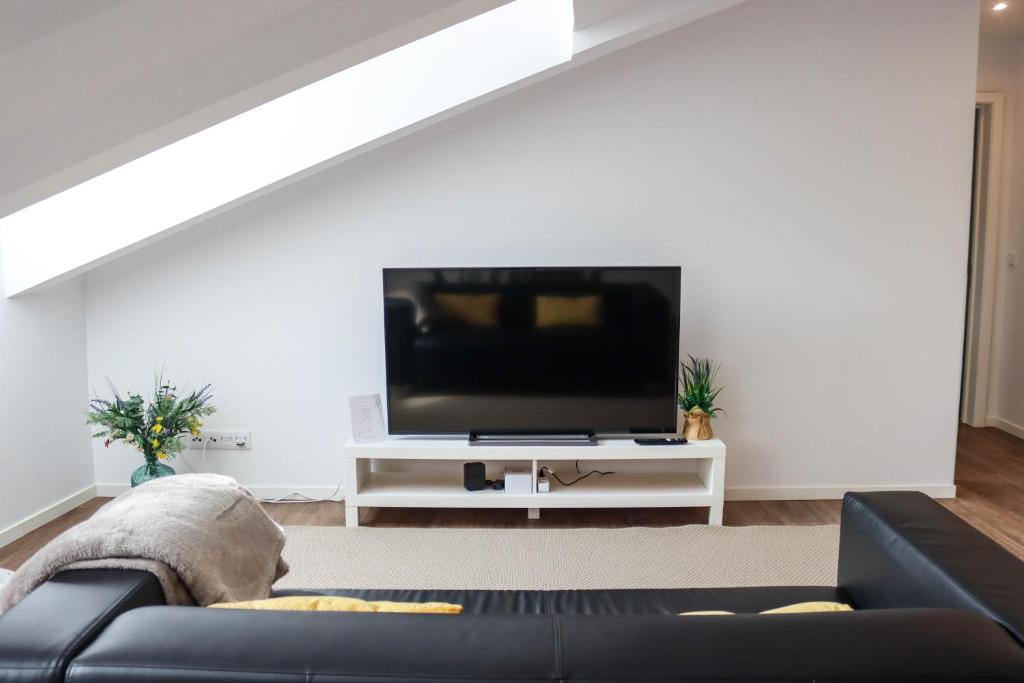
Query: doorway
[[982, 259]]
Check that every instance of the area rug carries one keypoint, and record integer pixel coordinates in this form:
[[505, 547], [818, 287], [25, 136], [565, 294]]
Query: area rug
[[527, 559]]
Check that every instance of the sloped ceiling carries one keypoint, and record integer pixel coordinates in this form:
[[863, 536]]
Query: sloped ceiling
[[111, 82], [83, 81]]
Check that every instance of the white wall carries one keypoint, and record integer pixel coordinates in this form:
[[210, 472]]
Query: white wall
[[807, 163], [1001, 69], [44, 448]]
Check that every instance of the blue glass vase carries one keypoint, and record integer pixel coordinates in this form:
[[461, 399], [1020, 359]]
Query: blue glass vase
[[153, 469]]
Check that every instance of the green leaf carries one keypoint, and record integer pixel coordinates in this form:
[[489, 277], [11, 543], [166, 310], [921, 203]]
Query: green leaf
[[697, 385], [132, 420]]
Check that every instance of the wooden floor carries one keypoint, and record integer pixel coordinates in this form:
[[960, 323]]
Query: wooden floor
[[990, 495]]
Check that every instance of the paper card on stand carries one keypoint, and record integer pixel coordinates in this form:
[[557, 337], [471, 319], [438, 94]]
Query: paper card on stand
[[367, 418]]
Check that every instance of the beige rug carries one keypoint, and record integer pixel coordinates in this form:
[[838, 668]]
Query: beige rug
[[678, 557]]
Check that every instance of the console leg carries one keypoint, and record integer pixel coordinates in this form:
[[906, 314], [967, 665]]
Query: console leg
[[715, 515], [351, 516], [533, 513]]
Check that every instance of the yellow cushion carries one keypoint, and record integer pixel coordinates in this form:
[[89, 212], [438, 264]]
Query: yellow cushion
[[480, 310], [568, 310], [418, 607], [705, 613], [331, 603], [808, 607], [798, 608]]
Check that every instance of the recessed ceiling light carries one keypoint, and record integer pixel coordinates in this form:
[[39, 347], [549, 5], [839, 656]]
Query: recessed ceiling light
[[999, 6]]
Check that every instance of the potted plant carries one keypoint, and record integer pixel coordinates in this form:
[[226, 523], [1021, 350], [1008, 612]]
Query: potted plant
[[155, 429], [696, 397]]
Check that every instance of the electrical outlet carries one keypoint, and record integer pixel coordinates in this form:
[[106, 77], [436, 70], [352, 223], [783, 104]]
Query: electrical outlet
[[222, 440]]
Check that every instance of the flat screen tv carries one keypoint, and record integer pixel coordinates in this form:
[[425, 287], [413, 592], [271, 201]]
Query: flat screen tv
[[515, 351]]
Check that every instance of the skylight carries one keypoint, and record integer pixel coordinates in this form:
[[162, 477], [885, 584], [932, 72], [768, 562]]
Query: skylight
[[260, 149]]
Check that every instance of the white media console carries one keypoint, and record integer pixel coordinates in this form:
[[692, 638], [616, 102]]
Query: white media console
[[426, 472]]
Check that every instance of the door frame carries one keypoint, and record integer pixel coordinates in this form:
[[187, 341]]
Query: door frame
[[985, 239]]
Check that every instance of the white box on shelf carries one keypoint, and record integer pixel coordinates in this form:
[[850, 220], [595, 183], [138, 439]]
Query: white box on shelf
[[543, 485], [367, 418], [518, 480]]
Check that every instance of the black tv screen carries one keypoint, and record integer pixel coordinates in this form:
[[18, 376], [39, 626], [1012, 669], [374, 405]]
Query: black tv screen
[[531, 350]]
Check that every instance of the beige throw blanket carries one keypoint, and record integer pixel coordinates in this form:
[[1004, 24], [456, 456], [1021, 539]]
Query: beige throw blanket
[[205, 538]]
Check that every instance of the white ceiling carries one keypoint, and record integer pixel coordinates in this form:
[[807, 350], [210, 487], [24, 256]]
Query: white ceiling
[[1008, 23], [592, 11], [119, 80], [84, 79], [283, 141], [90, 84], [28, 20]]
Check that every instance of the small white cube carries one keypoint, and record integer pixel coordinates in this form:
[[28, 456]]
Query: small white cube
[[518, 480]]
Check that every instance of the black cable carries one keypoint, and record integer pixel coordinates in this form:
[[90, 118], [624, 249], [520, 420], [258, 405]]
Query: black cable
[[578, 479]]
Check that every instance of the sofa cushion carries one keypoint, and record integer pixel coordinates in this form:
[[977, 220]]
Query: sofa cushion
[[798, 608], [231, 646], [601, 602], [810, 608], [473, 602], [337, 603], [673, 601]]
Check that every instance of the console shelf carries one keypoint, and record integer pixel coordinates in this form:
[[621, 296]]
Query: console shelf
[[381, 474]]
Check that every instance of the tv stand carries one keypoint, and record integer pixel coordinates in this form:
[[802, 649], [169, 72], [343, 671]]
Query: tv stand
[[427, 473], [479, 439]]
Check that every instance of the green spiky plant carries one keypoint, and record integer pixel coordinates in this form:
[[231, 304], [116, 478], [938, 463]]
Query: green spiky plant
[[697, 386], [154, 428]]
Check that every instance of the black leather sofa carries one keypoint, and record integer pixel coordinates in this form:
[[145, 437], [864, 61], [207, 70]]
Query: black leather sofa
[[934, 599]]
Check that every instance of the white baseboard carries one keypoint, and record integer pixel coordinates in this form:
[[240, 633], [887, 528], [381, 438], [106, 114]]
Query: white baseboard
[[111, 490], [1005, 425], [830, 492], [263, 492], [47, 514], [740, 493]]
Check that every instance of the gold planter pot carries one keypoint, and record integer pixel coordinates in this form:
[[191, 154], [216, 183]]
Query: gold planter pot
[[697, 426]]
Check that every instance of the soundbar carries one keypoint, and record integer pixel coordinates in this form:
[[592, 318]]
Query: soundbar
[[478, 439]]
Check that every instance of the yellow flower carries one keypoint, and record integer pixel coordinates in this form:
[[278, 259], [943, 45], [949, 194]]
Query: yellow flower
[[158, 428], [161, 455], [156, 443]]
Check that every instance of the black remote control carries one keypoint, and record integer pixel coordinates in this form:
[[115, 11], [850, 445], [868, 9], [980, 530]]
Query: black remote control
[[660, 442]]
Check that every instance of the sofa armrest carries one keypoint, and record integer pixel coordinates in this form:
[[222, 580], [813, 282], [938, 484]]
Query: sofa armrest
[[40, 635], [902, 549]]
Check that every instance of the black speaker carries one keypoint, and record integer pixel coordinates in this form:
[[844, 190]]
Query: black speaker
[[474, 476]]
